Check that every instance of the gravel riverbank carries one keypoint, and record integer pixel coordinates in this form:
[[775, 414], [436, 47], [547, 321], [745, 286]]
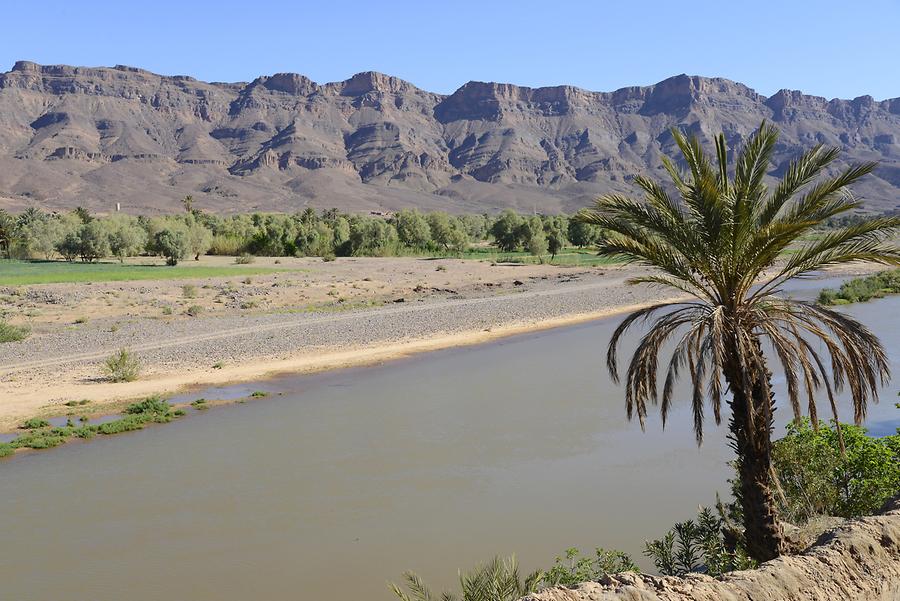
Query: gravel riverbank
[[40, 374]]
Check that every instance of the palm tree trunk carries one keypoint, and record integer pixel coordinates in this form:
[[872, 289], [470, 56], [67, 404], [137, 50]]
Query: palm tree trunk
[[751, 438]]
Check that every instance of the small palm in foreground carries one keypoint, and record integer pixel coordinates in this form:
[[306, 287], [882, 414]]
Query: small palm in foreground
[[498, 580], [720, 244]]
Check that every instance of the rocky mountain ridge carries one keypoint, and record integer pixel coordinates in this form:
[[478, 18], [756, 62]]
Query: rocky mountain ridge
[[100, 136]]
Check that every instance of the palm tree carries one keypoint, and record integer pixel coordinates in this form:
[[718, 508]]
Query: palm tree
[[729, 244]]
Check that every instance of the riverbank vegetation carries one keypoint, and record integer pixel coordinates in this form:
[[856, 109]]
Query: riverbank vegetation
[[41, 435], [860, 290]]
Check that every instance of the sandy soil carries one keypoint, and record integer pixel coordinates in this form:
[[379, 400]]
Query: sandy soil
[[298, 325], [301, 284]]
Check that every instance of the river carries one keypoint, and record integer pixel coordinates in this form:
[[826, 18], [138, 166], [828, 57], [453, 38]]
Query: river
[[339, 482]]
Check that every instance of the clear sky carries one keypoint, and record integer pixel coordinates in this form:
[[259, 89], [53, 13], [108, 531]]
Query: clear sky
[[828, 48]]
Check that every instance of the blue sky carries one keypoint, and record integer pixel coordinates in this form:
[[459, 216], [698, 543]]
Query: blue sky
[[833, 49]]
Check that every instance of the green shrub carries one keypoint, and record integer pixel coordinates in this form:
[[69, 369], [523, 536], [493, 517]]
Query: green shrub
[[244, 259], [118, 426], [122, 366], [817, 480], [573, 569], [695, 547], [44, 441], [258, 394], [194, 310], [862, 289], [189, 291], [81, 320], [80, 403], [6, 449], [150, 405], [10, 333], [34, 423]]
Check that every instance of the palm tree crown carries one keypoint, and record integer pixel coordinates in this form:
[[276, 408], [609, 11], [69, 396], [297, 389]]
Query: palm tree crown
[[729, 243]]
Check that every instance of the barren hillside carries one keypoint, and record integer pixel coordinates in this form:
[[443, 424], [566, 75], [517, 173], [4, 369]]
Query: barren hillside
[[100, 136]]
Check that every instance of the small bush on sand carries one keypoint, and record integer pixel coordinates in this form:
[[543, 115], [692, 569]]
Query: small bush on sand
[[194, 310], [189, 291], [244, 259], [10, 333], [122, 366]]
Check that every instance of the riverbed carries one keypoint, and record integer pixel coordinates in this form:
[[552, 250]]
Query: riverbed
[[338, 482]]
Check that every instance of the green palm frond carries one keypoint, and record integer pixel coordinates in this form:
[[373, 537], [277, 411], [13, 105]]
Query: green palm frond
[[723, 243], [496, 580]]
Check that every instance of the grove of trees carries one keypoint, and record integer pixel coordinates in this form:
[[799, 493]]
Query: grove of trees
[[80, 236]]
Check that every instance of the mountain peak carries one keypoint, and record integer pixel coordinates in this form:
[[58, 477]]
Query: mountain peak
[[373, 81]]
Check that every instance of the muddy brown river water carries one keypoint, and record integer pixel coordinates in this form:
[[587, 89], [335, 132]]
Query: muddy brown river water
[[346, 479]]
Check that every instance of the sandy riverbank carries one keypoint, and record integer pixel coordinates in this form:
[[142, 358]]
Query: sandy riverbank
[[38, 376]]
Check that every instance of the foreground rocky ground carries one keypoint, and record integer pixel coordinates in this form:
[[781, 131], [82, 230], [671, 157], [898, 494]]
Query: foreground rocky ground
[[859, 561]]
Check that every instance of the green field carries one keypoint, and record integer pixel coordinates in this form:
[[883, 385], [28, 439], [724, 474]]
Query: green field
[[20, 273]]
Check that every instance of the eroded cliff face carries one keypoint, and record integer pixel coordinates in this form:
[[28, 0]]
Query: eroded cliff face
[[97, 136], [858, 561]]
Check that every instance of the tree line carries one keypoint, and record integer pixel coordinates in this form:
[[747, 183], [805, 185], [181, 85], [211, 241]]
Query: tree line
[[80, 236]]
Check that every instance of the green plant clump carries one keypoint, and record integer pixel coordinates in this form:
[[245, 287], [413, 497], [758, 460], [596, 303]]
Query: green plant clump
[[859, 290], [122, 366], [573, 569], [42, 436], [817, 479], [10, 333], [35, 423], [696, 546], [497, 580]]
